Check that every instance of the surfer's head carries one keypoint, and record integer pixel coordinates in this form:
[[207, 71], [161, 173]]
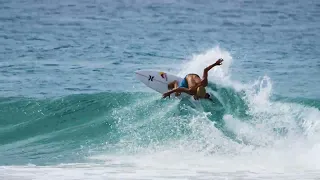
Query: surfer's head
[[201, 92]]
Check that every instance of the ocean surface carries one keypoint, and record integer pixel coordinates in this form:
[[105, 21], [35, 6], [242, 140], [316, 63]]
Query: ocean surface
[[71, 107]]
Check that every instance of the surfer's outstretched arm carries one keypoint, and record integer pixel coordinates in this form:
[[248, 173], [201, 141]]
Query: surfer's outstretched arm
[[207, 69], [177, 90], [204, 81]]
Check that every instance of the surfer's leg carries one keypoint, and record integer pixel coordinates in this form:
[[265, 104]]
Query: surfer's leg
[[173, 85], [176, 85]]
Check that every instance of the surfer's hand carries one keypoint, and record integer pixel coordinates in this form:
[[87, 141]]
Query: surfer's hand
[[166, 94], [218, 62]]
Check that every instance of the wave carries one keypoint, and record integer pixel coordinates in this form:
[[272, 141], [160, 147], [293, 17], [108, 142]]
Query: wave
[[129, 121], [243, 120]]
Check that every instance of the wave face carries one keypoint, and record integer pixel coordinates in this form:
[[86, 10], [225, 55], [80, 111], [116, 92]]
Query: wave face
[[76, 121], [77, 126], [245, 128]]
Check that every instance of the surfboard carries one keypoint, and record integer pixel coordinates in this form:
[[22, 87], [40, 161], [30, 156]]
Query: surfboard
[[158, 80]]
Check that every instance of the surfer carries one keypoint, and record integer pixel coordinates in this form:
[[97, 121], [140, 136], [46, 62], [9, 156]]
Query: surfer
[[192, 84]]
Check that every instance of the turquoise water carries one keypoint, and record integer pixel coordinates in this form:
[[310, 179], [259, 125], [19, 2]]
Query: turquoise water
[[71, 107]]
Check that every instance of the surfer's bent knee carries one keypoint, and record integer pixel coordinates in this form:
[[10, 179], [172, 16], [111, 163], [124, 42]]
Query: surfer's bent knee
[[172, 85]]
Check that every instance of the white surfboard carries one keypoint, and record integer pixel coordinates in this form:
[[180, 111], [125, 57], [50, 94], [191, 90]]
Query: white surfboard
[[158, 80]]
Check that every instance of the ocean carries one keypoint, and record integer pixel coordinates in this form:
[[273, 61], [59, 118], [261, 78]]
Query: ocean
[[71, 107]]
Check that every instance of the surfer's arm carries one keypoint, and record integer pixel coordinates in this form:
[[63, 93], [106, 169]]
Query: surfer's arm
[[204, 81], [177, 90], [207, 69]]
